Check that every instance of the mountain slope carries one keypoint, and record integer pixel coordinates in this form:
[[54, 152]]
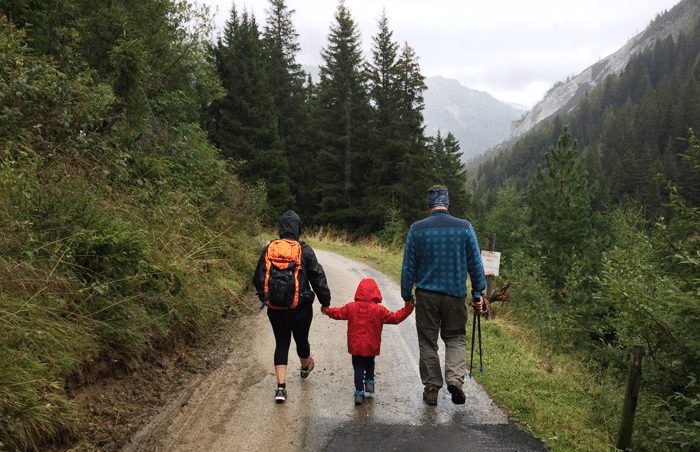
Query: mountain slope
[[476, 119], [564, 96]]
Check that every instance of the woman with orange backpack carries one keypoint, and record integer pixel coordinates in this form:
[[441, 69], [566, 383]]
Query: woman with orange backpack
[[289, 299]]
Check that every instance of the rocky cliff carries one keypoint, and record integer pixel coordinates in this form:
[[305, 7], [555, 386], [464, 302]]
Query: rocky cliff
[[564, 96]]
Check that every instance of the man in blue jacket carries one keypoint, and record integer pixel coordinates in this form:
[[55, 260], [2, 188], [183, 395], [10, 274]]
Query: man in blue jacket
[[440, 251]]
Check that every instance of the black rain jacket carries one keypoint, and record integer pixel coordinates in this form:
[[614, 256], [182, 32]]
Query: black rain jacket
[[311, 276]]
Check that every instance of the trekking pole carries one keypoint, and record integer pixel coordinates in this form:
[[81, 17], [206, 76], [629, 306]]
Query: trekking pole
[[481, 364], [471, 363], [478, 310]]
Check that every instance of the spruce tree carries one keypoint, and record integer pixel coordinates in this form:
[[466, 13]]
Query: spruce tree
[[414, 168], [285, 77], [627, 176], [448, 170], [344, 115], [383, 80], [286, 81], [560, 199], [244, 123]]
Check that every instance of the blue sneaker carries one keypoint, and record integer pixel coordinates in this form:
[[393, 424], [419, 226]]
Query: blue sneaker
[[369, 386], [359, 397]]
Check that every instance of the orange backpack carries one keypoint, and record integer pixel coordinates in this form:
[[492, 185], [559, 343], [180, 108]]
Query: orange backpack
[[282, 267]]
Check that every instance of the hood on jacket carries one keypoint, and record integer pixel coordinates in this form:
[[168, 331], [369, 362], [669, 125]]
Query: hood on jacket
[[368, 291], [290, 226]]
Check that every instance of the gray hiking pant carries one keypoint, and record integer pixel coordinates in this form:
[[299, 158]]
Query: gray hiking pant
[[446, 316]]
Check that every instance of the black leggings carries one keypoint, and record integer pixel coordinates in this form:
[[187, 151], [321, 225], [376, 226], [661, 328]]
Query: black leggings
[[288, 322]]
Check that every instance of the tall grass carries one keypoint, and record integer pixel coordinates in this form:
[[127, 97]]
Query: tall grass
[[551, 395], [94, 272]]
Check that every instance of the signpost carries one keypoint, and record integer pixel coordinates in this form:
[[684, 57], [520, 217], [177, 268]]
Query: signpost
[[491, 261]]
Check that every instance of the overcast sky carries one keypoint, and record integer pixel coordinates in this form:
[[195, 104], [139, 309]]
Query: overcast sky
[[512, 49]]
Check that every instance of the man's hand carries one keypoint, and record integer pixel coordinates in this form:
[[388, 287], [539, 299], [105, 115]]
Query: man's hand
[[323, 309], [411, 302], [479, 307]]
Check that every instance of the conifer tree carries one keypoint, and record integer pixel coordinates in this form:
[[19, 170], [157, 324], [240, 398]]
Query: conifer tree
[[448, 170], [344, 115], [244, 123], [415, 171], [286, 81], [627, 176], [285, 76], [383, 81], [146, 50], [400, 165], [650, 191], [560, 198]]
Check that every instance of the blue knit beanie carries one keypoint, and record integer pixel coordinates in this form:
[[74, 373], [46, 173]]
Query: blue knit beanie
[[438, 197]]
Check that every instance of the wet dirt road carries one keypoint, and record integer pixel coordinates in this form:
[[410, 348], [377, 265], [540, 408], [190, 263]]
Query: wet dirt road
[[233, 408]]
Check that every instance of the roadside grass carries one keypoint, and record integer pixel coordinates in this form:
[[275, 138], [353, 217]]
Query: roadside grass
[[553, 396], [367, 250], [549, 395], [36, 348], [97, 295]]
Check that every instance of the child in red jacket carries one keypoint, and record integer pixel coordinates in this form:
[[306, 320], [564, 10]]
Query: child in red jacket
[[366, 318]]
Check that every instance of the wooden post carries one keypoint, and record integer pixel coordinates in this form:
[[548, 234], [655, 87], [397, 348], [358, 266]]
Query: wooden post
[[489, 278], [634, 380]]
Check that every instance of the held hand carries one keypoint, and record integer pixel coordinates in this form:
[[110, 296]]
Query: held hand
[[323, 309], [411, 302]]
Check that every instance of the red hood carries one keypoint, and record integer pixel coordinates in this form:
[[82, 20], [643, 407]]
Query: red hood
[[368, 291]]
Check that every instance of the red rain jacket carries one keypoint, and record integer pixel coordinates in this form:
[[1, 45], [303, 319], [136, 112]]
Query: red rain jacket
[[366, 318]]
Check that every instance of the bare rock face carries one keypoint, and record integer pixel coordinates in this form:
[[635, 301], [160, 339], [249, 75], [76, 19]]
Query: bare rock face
[[565, 96]]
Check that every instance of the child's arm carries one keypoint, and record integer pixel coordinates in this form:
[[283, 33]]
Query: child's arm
[[337, 313], [398, 316]]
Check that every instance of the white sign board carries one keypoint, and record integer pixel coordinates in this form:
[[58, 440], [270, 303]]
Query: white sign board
[[491, 260]]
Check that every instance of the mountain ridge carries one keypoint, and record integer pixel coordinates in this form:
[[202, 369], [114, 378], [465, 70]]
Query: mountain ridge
[[564, 96], [475, 118]]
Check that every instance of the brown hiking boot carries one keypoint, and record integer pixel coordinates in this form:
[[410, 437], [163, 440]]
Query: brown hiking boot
[[430, 396]]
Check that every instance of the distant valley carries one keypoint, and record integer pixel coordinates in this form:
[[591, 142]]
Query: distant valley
[[475, 118]]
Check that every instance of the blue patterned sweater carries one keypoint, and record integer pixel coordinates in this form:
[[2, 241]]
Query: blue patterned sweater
[[440, 251]]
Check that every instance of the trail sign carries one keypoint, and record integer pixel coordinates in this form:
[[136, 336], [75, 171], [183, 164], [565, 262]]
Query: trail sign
[[491, 261]]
